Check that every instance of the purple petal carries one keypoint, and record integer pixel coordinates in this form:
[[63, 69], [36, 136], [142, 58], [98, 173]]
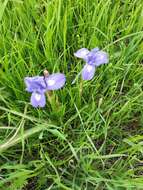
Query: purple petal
[[95, 50], [35, 84], [55, 81], [101, 57], [81, 53], [38, 99], [88, 72]]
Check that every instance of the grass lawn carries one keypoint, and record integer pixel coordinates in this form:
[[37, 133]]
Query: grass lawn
[[93, 138]]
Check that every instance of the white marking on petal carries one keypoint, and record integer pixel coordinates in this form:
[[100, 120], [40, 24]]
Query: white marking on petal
[[37, 96], [51, 82], [81, 53], [102, 56], [89, 68]]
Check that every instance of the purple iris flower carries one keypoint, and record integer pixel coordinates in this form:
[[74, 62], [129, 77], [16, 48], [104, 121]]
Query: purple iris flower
[[93, 59], [38, 85]]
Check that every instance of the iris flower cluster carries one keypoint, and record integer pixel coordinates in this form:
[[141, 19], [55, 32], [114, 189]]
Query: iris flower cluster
[[39, 85], [93, 59]]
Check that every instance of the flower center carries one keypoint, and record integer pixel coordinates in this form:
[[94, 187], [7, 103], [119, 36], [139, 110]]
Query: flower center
[[37, 96], [51, 82]]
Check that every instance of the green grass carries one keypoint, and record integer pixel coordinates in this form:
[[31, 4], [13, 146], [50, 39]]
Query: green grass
[[94, 139]]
